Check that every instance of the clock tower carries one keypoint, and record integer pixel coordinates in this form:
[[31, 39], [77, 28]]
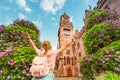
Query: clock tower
[[64, 61]]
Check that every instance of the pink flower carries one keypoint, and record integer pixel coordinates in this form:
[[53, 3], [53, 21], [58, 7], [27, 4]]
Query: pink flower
[[1, 71], [87, 59], [16, 67], [8, 77], [29, 76], [106, 51], [24, 71], [107, 59], [11, 62], [2, 53], [117, 69], [116, 31], [8, 49]]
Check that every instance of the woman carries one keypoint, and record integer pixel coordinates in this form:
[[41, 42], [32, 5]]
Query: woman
[[51, 54]]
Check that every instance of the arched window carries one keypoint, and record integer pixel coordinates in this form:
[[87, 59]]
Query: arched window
[[79, 54], [64, 60], [75, 59], [72, 61], [68, 60]]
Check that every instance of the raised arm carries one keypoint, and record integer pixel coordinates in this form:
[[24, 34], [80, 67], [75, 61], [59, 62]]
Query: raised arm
[[68, 43], [30, 40]]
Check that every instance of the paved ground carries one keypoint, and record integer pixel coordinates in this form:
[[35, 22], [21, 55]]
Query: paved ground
[[67, 78]]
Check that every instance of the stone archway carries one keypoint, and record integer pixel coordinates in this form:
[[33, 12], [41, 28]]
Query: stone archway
[[69, 73]]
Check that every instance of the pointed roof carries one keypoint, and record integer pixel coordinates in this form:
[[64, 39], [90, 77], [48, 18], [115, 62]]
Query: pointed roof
[[64, 14]]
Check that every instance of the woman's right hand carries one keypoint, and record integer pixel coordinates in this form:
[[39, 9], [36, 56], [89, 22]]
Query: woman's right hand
[[25, 34]]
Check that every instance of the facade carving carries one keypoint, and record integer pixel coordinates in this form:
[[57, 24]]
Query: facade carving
[[111, 5]]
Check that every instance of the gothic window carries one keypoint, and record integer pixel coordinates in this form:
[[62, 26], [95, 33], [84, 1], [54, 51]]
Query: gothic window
[[68, 60], [78, 45], [75, 59], [66, 29], [72, 61], [79, 54], [64, 60]]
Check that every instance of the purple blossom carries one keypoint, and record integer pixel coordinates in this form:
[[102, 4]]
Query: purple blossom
[[16, 67], [105, 67], [17, 37], [11, 62], [2, 53], [8, 77], [109, 55], [117, 69], [1, 71], [30, 22], [26, 68], [99, 17], [99, 63], [8, 49], [10, 36], [87, 59], [19, 32], [116, 31], [1, 28], [102, 32], [6, 36], [106, 51], [29, 76], [16, 21], [106, 59], [24, 71], [11, 32]]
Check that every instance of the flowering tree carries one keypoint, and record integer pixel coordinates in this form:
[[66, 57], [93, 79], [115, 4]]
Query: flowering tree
[[15, 53], [102, 44]]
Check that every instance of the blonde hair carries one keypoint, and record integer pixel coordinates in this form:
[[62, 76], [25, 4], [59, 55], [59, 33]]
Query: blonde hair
[[47, 46]]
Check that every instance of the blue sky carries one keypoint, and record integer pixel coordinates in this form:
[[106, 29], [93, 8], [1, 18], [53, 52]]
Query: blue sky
[[45, 14]]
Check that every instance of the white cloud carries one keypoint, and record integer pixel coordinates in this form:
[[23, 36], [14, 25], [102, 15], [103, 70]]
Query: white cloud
[[71, 19], [27, 9], [52, 5], [22, 4], [38, 24], [21, 16], [9, 21]]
